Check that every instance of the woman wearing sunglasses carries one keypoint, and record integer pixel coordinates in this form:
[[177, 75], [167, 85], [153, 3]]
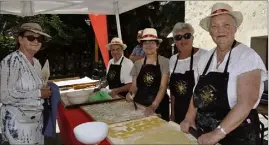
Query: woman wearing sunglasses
[[182, 69], [150, 77], [22, 93]]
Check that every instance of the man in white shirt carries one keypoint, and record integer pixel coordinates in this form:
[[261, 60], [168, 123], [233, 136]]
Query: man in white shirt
[[119, 68]]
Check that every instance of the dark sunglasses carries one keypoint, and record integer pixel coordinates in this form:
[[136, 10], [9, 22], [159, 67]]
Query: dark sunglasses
[[180, 37], [32, 38]]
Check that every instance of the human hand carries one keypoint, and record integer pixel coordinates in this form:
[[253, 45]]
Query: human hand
[[186, 124], [129, 97], [211, 138], [45, 92], [150, 110]]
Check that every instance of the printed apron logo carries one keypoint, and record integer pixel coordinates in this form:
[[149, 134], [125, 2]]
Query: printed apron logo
[[112, 75], [148, 78], [207, 95], [181, 87]]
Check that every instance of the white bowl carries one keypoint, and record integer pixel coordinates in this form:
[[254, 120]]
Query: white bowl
[[78, 97], [91, 132]]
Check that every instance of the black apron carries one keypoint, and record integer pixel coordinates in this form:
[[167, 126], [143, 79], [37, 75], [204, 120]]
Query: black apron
[[113, 77], [211, 98], [181, 87], [148, 82]]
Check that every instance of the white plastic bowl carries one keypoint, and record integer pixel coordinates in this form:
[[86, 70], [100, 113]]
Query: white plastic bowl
[[91, 132], [78, 97]]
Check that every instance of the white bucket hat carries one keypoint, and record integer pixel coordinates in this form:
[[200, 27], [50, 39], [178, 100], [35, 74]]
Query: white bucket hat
[[116, 41], [150, 34], [219, 9]]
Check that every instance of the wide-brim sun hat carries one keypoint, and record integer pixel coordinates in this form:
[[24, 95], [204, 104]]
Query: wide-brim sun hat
[[150, 34], [220, 9], [33, 27], [116, 41]]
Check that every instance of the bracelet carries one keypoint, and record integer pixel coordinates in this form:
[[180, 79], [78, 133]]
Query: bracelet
[[222, 130]]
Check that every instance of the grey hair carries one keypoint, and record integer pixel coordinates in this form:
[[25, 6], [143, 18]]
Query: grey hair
[[179, 26]]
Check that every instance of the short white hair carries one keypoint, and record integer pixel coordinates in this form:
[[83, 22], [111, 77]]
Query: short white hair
[[179, 26]]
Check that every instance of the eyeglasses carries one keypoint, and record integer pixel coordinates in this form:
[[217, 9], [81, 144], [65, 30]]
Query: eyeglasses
[[180, 37], [32, 38], [149, 42]]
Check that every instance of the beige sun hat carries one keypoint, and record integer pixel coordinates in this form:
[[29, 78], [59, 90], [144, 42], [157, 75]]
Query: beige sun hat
[[150, 34], [33, 27], [116, 41], [219, 9]]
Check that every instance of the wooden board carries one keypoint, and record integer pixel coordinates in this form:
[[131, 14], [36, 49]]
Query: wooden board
[[149, 130], [114, 112]]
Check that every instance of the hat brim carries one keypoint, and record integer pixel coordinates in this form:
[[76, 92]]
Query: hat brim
[[144, 39], [47, 36], [204, 23], [124, 46]]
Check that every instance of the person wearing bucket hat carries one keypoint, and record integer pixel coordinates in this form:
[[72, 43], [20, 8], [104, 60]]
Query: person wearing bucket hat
[[138, 52], [21, 91], [183, 70], [150, 77], [230, 85], [119, 68]]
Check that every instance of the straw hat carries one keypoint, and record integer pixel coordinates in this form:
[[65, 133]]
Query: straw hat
[[33, 27], [150, 34], [219, 9], [116, 41]]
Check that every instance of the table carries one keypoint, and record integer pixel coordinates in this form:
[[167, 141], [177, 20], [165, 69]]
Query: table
[[68, 119]]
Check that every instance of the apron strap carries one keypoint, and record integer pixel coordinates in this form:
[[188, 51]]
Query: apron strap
[[157, 62], [121, 60], [145, 60], [226, 67], [175, 64], [208, 63], [210, 59], [191, 64]]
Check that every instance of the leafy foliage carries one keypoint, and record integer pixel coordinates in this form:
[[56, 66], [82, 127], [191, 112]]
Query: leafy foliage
[[72, 47]]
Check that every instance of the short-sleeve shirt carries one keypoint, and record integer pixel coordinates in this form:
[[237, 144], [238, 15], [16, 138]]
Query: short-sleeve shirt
[[126, 68], [243, 59], [138, 51], [183, 65], [164, 65]]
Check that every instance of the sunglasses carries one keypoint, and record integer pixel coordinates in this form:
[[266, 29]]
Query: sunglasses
[[180, 37], [32, 38]]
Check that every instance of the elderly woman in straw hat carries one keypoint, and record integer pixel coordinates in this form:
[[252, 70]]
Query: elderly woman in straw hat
[[150, 77], [229, 87], [119, 68], [22, 90], [183, 70]]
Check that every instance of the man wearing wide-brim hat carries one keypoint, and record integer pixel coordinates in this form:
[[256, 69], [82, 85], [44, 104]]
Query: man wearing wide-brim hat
[[119, 68], [229, 87]]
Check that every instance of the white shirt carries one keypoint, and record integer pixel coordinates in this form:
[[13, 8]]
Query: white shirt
[[126, 67], [243, 59], [183, 65], [21, 82]]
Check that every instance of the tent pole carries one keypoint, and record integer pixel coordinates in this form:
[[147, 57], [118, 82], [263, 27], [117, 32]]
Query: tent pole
[[116, 7]]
